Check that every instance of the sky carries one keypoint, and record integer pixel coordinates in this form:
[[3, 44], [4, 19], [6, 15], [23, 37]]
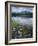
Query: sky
[[20, 9]]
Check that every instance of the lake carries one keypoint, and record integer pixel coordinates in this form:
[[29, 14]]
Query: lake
[[23, 20]]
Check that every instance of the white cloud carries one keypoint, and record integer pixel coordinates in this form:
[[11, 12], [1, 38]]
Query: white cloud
[[20, 9]]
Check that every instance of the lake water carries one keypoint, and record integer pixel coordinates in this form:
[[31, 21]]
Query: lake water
[[23, 20]]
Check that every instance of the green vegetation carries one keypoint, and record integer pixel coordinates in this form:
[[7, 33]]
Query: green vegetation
[[23, 14], [23, 29], [14, 23]]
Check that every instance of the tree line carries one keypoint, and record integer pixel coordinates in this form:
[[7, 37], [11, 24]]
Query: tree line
[[23, 14]]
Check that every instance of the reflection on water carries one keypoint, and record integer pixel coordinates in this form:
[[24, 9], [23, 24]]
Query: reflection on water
[[23, 20]]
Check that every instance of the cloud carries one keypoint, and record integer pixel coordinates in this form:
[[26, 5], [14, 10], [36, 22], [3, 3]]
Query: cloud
[[20, 9]]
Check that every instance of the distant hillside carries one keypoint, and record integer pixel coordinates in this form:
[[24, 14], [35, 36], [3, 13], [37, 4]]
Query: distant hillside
[[22, 14]]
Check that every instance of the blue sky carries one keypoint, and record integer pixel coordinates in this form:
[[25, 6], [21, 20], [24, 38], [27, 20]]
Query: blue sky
[[20, 9]]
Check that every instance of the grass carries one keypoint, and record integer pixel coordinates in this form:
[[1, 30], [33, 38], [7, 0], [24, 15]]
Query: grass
[[23, 29]]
